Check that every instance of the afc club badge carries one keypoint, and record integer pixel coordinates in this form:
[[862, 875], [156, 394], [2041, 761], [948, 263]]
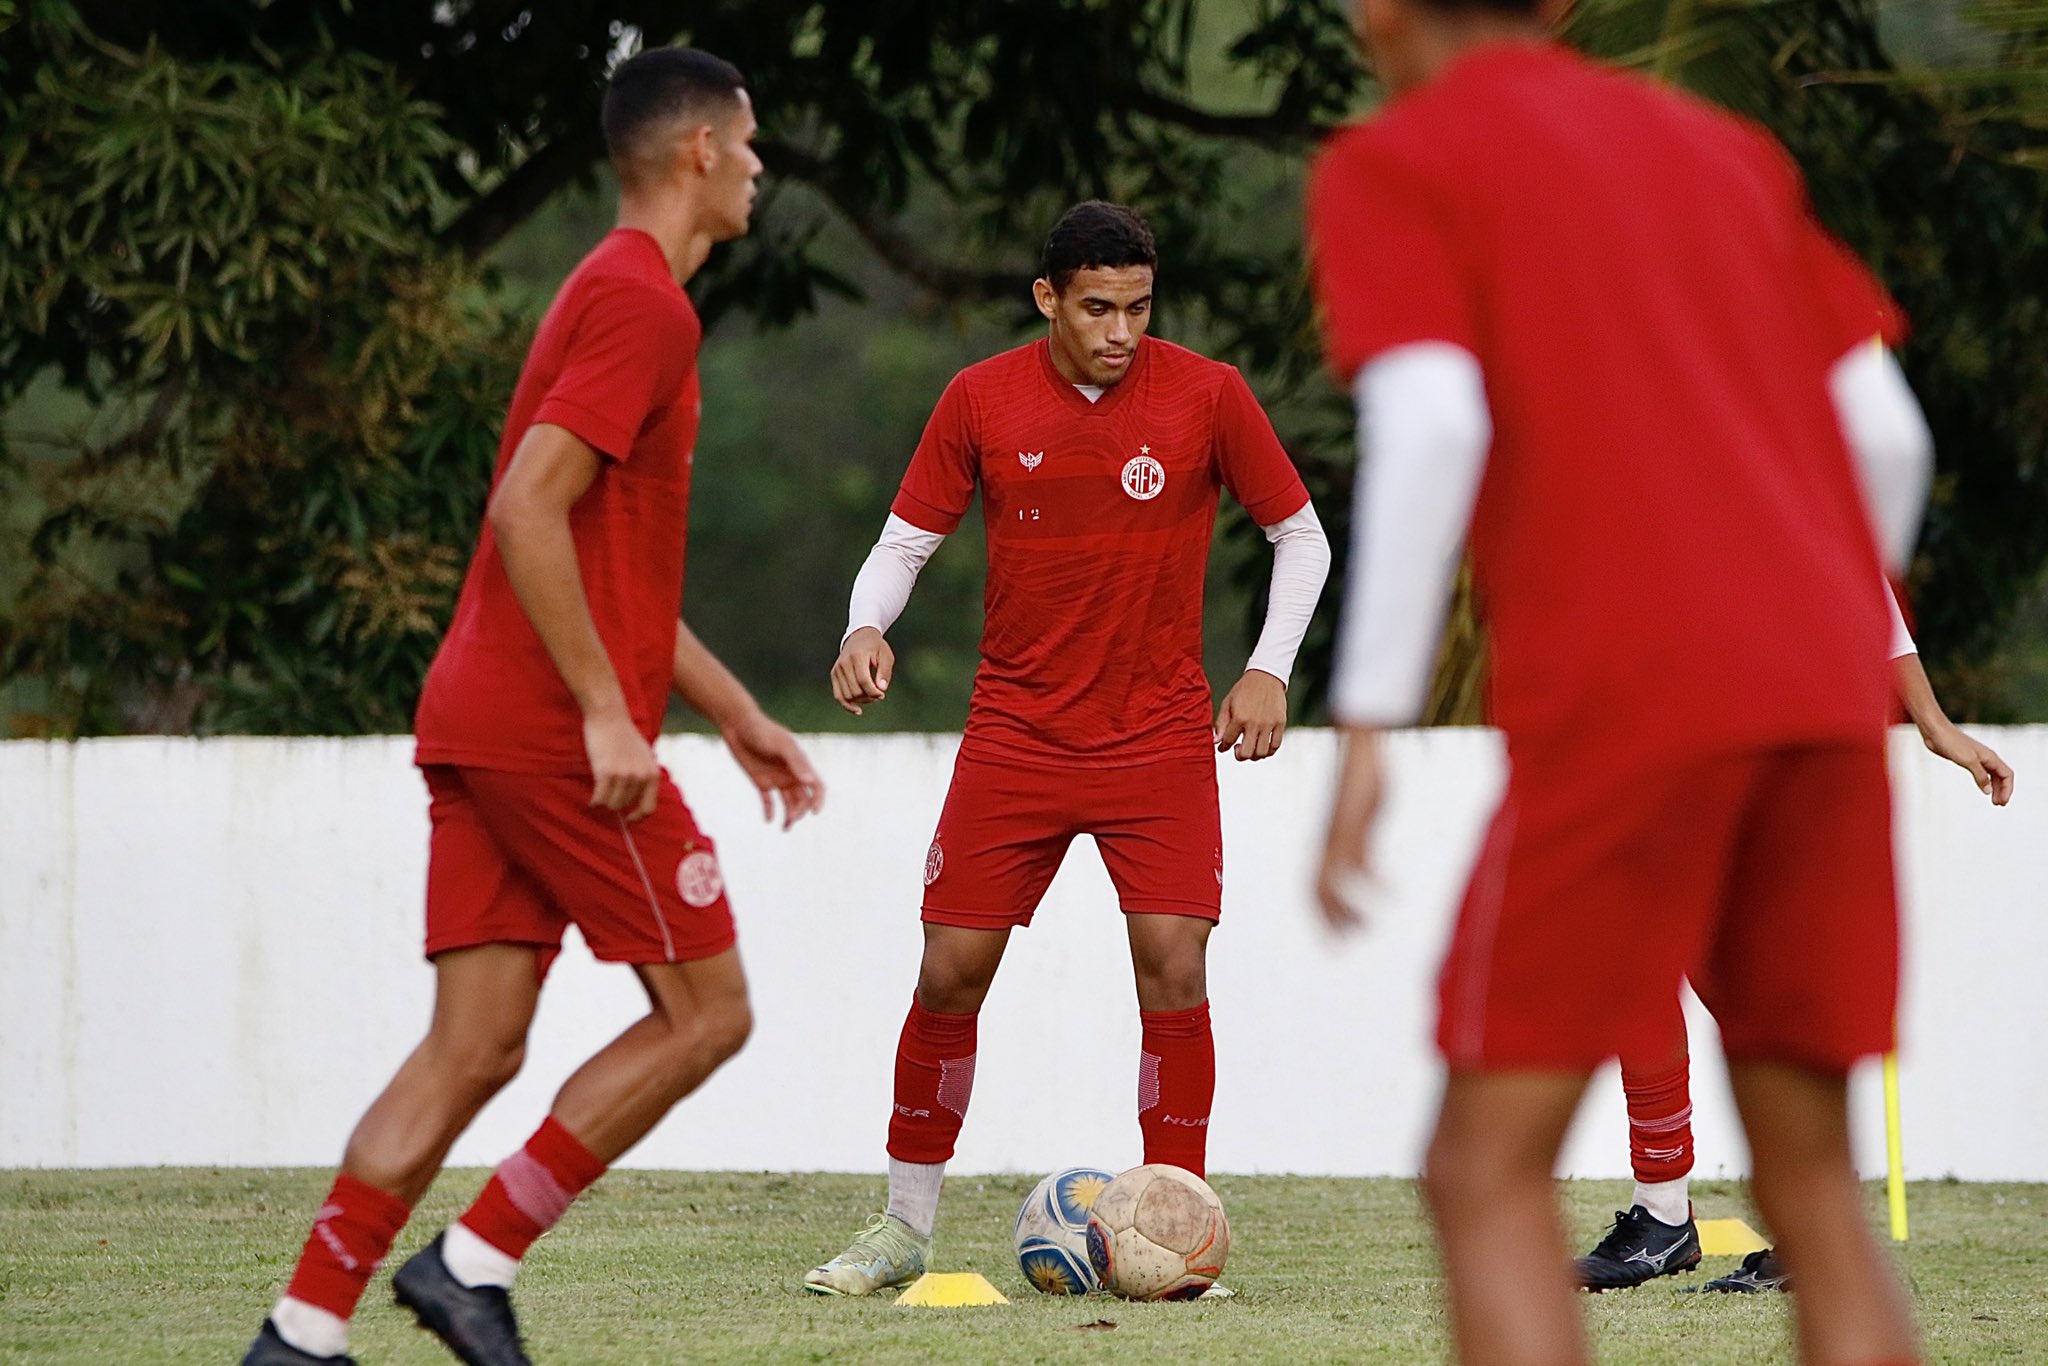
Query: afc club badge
[[698, 879], [934, 860], [1144, 478]]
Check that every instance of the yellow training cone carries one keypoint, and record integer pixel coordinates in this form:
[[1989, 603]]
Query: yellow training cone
[[1729, 1238], [952, 1289]]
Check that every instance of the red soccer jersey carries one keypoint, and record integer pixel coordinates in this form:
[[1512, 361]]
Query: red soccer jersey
[[1099, 517], [1669, 541], [615, 362]]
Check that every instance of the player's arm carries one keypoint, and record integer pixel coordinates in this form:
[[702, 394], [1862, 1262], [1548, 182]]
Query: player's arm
[[1256, 469], [529, 514], [936, 490], [1942, 736], [880, 592], [1423, 433], [1888, 437], [1253, 718], [766, 750]]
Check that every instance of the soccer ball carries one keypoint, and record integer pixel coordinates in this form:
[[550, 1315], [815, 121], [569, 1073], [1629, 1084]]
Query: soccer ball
[[1158, 1233], [1052, 1231]]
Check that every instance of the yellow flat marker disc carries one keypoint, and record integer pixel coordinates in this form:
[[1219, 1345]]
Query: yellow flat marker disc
[[954, 1289], [1729, 1238]]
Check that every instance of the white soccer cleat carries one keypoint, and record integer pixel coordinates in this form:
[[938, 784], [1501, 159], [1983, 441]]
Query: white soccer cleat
[[885, 1253]]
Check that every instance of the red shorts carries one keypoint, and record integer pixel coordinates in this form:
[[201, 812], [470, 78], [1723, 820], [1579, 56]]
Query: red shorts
[[1765, 876], [1005, 829], [516, 858]]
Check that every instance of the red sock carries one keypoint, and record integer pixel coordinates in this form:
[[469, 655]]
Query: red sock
[[351, 1234], [1659, 1121], [532, 1189], [934, 1079], [1177, 1086]]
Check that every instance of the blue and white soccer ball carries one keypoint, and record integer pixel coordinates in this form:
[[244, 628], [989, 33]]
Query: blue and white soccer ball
[[1052, 1231]]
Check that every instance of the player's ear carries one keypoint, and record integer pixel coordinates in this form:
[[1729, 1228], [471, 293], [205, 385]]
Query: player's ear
[[700, 148], [1046, 297]]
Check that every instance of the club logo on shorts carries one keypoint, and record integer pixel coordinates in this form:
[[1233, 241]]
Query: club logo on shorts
[[1031, 461], [934, 860], [698, 879], [1144, 477]]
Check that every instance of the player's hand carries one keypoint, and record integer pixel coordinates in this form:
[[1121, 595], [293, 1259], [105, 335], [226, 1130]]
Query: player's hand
[[862, 671], [778, 767], [1342, 878], [625, 775], [1992, 774], [1253, 717]]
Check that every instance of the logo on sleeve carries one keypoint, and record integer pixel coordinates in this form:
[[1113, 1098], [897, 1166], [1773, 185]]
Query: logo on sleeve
[[1144, 477], [698, 879], [1031, 461]]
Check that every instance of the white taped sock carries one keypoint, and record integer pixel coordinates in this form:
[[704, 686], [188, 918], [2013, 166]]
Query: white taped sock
[[1669, 1202], [310, 1328], [914, 1193], [473, 1261]]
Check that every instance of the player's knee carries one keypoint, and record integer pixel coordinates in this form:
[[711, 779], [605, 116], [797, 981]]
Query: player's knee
[[946, 987], [725, 1030], [1462, 1168], [481, 1066], [1174, 981]]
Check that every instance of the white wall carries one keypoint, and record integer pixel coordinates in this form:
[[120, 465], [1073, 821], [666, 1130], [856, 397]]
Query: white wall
[[209, 953]]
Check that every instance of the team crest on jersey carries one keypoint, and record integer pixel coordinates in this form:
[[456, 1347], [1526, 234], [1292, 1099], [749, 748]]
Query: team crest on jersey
[[1144, 478], [698, 879], [934, 860], [1032, 460]]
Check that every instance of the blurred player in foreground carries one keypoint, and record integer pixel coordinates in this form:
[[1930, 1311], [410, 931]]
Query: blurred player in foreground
[[536, 735], [1098, 452], [1656, 1235], [1595, 320]]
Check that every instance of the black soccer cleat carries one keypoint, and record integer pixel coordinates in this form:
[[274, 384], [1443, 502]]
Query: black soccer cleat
[[270, 1349], [1640, 1247], [1759, 1271], [475, 1323]]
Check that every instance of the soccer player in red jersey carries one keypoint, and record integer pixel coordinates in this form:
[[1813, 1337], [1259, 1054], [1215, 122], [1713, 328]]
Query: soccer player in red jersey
[[536, 735], [1099, 453], [1656, 1235], [1595, 320]]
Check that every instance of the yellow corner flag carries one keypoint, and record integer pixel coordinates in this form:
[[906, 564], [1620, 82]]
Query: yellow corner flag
[[1894, 1148]]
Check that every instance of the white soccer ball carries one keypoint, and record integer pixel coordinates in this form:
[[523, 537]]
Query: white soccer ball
[[1158, 1233], [1052, 1231]]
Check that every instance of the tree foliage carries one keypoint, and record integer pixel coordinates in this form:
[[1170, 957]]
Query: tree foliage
[[292, 387]]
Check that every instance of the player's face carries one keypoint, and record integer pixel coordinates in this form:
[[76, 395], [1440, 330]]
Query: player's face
[[1097, 321], [732, 170]]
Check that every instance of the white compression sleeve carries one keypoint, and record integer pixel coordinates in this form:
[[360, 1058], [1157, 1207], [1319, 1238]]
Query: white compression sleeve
[[1902, 639], [1888, 436], [1301, 561], [1423, 433], [882, 587]]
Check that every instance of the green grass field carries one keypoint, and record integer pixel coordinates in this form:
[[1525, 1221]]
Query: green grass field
[[180, 1265]]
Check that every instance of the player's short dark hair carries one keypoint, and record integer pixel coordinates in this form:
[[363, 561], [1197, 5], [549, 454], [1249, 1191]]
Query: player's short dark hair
[[1095, 234], [660, 87]]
